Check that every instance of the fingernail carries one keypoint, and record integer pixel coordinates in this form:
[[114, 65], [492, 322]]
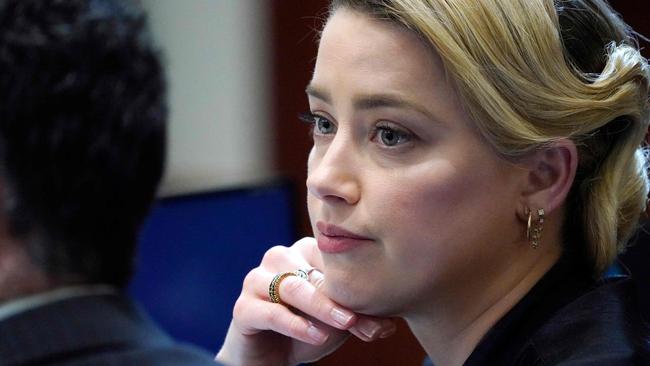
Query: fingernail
[[341, 317], [368, 328], [316, 334], [388, 332], [388, 329]]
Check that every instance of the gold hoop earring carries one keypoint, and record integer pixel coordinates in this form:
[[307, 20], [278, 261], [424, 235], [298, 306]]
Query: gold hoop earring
[[534, 230]]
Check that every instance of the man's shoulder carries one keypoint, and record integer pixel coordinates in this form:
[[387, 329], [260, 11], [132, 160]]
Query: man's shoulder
[[169, 355], [603, 326], [91, 330]]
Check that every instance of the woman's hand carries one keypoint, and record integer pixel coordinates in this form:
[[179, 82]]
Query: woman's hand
[[307, 328]]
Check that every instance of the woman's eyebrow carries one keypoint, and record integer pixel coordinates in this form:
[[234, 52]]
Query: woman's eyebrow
[[374, 101], [317, 93]]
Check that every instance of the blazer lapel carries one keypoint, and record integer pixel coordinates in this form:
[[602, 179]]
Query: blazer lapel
[[73, 327]]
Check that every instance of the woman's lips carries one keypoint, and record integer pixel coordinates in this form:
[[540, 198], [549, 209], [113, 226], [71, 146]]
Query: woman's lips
[[334, 239]]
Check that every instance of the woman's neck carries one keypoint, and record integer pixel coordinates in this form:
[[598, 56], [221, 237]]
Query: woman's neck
[[450, 329]]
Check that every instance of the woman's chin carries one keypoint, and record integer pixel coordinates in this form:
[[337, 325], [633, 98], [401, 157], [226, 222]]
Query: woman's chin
[[360, 300], [344, 294]]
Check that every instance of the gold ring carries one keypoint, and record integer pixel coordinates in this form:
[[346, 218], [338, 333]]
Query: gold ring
[[274, 287]]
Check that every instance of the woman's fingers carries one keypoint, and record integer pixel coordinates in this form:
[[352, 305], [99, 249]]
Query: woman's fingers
[[303, 296], [317, 278], [259, 315], [280, 258], [295, 291], [314, 324], [370, 329], [304, 306], [307, 248]]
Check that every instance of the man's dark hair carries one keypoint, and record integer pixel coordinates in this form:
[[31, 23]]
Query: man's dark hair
[[82, 133]]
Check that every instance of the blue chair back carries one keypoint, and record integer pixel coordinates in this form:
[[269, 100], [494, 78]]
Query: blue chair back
[[195, 251]]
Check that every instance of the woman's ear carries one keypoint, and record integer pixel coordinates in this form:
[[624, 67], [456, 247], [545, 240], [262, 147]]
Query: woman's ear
[[551, 171]]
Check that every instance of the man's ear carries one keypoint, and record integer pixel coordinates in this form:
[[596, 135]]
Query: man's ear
[[551, 171]]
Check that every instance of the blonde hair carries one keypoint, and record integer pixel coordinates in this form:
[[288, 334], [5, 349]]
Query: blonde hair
[[534, 71]]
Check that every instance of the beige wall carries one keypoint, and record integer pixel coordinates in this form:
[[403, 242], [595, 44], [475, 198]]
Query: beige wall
[[217, 60]]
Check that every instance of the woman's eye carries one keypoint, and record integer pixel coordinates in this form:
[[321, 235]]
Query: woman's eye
[[322, 126], [392, 137]]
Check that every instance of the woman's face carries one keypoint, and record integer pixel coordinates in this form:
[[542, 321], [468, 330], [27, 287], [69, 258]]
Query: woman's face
[[409, 205]]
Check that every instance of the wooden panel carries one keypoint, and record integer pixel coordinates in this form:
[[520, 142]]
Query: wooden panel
[[295, 25]]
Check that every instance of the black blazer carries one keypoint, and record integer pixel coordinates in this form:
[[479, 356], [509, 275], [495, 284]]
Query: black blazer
[[101, 330], [569, 319]]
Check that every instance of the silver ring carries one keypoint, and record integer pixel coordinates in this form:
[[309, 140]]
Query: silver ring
[[303, 273]]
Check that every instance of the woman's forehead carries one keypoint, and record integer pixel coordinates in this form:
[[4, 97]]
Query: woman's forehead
[[360, 50], [365, 38], [363, 61]]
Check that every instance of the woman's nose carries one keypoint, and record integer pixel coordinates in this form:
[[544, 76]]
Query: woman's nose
[[333, 175]]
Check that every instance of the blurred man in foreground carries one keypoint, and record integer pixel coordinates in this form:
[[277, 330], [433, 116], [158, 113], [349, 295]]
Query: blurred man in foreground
[[82, 144]]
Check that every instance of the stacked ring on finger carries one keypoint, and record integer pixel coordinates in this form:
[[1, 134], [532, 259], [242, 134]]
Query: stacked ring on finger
[[304, 273], [274, 287]]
